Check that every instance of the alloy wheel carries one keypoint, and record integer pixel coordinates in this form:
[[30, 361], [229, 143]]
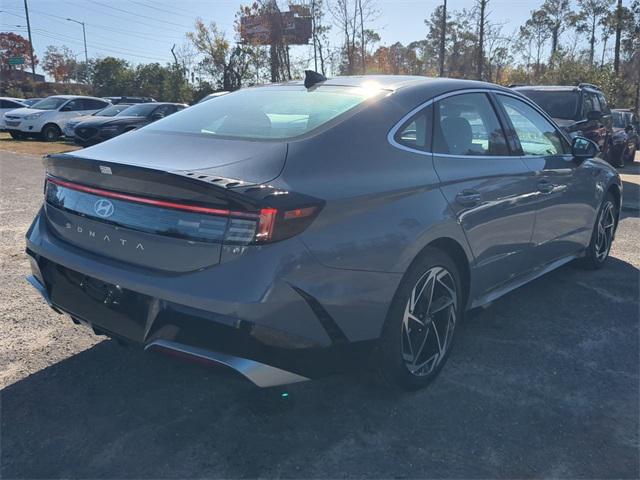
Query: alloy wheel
[[606, 225], [429, 321]]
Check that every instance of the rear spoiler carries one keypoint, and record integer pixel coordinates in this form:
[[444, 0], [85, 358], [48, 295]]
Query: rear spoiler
[[178, 186]]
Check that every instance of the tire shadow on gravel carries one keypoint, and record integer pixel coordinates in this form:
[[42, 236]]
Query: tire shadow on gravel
[[543, 383]]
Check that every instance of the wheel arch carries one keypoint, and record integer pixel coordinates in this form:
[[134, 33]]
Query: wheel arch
[[51, 124], [457, 253], [616, 191]]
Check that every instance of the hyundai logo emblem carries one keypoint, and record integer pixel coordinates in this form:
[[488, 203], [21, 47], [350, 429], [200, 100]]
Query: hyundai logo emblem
[[103, 208]]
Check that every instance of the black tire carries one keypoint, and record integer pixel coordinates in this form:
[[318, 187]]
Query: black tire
[[50, 133], [621, 158], [596, 254], [400, 363], [17, 135]]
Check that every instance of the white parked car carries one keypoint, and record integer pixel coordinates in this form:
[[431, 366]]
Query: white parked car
[[7, 104], [47, 118]]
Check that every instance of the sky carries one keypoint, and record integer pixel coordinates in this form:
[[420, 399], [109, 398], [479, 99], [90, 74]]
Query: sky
[[143, 31]]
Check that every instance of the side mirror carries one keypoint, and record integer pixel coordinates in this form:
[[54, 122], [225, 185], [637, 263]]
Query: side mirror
[[157, 116], [583, 148], [594, 115], [66, 108]]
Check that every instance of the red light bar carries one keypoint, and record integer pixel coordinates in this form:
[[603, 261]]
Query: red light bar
[[150, 201], [266, 224]]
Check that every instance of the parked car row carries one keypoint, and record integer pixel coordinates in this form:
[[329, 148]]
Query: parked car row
[[113, 121], [583, 111], [58, 115]]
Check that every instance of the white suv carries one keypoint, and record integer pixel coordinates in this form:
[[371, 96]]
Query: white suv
[[48, 117]]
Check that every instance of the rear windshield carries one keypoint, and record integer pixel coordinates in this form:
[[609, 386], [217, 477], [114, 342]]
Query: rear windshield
[[274, 113], [139, 110], [557, 103], [111, 111]]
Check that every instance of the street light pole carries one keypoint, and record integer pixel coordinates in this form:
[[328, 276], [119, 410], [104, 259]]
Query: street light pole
[[86, 56], [33, 63]]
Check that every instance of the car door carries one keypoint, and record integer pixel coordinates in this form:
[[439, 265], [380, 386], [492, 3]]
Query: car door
[[489, 189], [566, 195]]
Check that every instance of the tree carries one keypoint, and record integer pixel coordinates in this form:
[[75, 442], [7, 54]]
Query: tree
[[112, 76], [482, 21], [616, 61], [14, 45], [588, 18], [60, 63], [319, 35], [536, 29], [227, 64], [350, 18], [558, 15]]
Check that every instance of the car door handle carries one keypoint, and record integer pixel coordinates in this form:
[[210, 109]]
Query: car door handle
[[545, 186], [468, 198]]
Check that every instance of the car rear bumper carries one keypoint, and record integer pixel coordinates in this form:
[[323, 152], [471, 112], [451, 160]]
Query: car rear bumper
[[282, 310]]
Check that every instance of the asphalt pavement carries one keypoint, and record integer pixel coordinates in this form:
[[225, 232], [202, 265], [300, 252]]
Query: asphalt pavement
[[544, 383]]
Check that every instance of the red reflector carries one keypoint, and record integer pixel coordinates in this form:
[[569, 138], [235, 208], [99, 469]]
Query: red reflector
[[299, 213], [151, 201], [266, 224]]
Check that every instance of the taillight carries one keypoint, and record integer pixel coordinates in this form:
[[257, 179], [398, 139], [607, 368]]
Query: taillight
[[273, 224]]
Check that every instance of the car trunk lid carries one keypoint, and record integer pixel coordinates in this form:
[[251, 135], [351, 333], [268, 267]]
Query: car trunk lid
[[143, 209]]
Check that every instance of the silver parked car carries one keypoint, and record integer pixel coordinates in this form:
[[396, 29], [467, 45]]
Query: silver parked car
[[280, 230]]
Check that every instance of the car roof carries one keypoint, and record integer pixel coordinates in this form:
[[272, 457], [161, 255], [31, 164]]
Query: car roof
[[70, 97], [12, 98], [559, 88], [408, 90], [387, 82]]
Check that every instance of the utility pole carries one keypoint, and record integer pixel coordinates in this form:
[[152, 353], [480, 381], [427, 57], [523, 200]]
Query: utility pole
[[443, 36], [362, 43], [86, 56], [483, 6], [33, 63]]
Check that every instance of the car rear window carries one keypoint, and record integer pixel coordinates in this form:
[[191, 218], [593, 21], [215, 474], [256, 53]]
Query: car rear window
[[557, 103], [274, 113], [139, 110]]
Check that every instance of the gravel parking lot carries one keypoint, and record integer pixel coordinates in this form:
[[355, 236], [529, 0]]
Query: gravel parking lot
[[544, 383]]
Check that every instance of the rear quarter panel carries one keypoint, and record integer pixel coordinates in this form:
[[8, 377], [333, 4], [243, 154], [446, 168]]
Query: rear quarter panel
[[383, 205]]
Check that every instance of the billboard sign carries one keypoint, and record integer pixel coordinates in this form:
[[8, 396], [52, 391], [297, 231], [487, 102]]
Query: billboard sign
[[263, 29]]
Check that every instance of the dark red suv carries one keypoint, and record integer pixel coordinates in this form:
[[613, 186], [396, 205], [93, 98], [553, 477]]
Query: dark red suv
[[581, 111]]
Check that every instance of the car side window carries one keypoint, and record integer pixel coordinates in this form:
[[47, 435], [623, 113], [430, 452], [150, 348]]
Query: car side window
[[9, 104], [416, 132], [467, 124], [91, 104], [164, 110], [589, 104], [603, 104], [537, 135], [72, 106]]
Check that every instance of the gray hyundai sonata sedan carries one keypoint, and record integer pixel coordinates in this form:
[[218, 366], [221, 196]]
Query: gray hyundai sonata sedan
[[287, 230]]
